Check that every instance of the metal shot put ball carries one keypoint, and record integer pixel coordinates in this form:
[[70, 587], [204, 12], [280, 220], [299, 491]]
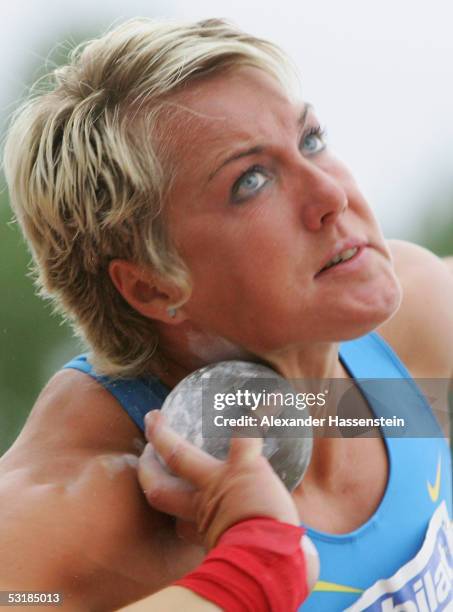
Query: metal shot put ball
[[183, 411]]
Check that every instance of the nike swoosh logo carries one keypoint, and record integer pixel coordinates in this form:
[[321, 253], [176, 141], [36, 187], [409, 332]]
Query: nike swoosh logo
[[434, 489], [332, 587]]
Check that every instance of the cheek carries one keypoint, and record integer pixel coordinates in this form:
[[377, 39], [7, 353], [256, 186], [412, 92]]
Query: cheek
[[243, 294], [341, 173], [251, 238]]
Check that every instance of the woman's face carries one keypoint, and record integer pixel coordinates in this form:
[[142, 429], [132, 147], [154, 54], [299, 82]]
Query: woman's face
[[258, 208]]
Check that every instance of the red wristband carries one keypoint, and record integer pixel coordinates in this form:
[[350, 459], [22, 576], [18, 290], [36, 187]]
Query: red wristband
[[257, 566]]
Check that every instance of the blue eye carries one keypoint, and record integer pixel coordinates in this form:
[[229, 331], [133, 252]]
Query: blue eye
[[314, 142], [249, 184]]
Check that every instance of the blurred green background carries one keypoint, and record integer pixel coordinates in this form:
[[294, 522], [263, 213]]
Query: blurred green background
[[34, 343]]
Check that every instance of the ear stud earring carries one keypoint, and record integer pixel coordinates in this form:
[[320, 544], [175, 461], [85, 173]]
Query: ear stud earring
[[171, 312]]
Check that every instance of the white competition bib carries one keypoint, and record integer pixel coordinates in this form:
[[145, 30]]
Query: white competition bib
[[424, 584]]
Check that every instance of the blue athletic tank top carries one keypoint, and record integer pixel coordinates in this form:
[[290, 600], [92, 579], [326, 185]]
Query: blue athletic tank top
[[373, 567]]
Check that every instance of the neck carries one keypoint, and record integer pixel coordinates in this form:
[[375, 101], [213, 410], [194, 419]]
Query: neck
[[190, 349], [187, 349], [315, 361]]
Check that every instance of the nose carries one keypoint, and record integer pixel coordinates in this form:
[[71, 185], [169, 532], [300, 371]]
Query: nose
[[322, 195]]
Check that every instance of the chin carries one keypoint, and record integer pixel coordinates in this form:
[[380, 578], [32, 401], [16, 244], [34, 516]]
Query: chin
[[372, 313]]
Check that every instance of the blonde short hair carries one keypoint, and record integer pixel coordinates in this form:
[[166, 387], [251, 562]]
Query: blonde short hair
[[86, 183]]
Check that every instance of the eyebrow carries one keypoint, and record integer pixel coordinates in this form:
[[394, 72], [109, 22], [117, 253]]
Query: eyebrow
[[259, 148]]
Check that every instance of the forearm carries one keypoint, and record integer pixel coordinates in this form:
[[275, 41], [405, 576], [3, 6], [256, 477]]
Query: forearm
[[173, 598]]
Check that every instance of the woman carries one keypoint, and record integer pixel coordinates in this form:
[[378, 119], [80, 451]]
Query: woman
[[183, 208]]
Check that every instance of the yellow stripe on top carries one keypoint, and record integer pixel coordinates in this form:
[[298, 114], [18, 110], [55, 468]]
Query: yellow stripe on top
[[324, 586]]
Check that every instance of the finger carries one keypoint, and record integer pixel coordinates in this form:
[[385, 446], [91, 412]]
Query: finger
[[182, 458], [162, 490], [149, 422], [244, 450]]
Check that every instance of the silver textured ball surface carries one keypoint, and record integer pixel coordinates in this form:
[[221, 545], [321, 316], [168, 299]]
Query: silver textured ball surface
[[183, 410]]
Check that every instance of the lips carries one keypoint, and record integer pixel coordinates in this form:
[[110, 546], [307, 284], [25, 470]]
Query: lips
[[342, 251]]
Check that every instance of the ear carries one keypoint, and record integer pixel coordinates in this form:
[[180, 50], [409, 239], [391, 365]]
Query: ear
[[147, 293]]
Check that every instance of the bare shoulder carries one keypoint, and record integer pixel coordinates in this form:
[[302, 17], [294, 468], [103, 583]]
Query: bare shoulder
[[448, 261], [74, 410], [421, 331], [75, 518]]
